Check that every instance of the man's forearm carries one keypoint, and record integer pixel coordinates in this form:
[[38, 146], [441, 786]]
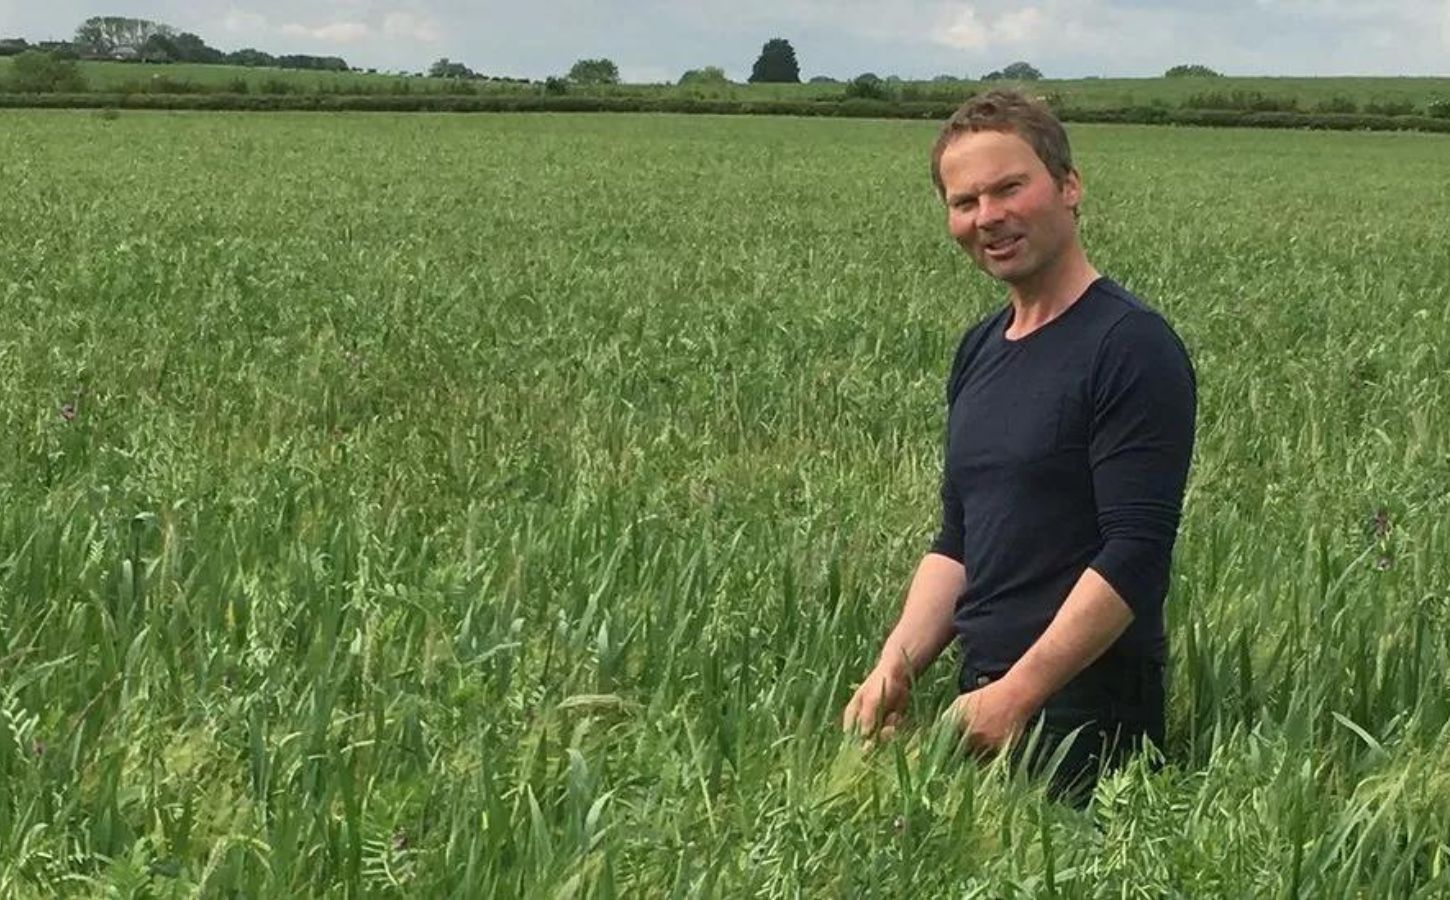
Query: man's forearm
[[1090, 620], [925, 626]]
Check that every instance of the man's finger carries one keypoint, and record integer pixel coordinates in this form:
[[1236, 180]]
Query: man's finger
[[953, 714], [866, 715], [959, 714], [889, 726]]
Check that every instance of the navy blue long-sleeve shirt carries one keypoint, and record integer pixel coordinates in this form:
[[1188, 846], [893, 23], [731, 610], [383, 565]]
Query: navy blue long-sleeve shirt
[[1066, 449]]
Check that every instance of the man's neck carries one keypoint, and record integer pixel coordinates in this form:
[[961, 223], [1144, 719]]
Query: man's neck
[[1039, 301]]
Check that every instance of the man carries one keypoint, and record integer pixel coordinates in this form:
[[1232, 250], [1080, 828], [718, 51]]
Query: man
[[1069, 432]]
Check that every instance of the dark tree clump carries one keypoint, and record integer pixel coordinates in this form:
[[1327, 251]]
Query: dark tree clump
[[777, 64], [1193, 70], [1018, 71]]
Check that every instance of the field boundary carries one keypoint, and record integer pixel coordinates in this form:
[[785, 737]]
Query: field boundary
[[854, 108]]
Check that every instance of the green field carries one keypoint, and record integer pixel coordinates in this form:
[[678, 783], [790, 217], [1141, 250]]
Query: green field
[[1088, 93], [506, 505]]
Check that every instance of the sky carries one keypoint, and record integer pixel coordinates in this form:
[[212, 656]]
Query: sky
[[654, 40]]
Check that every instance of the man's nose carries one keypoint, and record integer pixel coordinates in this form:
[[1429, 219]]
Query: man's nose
[[989, 212]]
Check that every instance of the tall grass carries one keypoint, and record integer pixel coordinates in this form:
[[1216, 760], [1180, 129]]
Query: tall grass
[[454, 507]]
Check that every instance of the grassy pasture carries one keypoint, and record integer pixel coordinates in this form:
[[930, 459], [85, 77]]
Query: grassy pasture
[[1084, 93], [504, 506]]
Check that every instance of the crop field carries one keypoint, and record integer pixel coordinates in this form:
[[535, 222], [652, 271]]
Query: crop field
[[505, 506]]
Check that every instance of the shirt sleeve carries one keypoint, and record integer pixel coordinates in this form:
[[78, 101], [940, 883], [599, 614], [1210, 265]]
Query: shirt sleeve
[[948, 540], [949, 536], [1144, 406]]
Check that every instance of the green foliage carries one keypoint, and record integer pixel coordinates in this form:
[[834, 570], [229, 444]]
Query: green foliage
[[1336, 105], [1096, 94], [867, 87], [119, 35], [777, 64], [251, 57], [35, 72], [1017, 71], [191, 48], [312, 63], [708, 76], [1260, 102], [1379, 107], [1253, 101], [1438, 108], [446, 68], [164, 84], [281, 94], [556, 87], [1191, 70], [159, 48], [594, 72]]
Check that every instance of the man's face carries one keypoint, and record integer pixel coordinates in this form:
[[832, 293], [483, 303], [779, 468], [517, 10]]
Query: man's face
[[1003, 206]]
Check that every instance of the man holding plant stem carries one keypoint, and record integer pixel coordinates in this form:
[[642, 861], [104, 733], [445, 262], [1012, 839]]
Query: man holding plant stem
[[1069, 434]]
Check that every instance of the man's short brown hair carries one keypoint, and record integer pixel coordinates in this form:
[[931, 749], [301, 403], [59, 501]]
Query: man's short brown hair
[[1010, 111]]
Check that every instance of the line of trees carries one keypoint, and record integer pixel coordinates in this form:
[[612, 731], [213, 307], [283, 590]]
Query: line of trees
[[1017, 71], [131, 39], [777, 64], [1192, 70], [126, 38]]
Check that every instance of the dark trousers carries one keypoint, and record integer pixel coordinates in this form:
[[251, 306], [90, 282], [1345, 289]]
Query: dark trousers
[[1113, 705]]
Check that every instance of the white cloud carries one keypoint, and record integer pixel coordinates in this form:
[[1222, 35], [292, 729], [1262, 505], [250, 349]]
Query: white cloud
[[965, 27], [1058, 31], [332, 33], [408, 26], [240, 21], [964, 30], [1021, 25], [355, 30]]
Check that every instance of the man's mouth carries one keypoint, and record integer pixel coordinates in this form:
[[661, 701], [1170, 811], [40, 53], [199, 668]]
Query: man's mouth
[[1002, 247]]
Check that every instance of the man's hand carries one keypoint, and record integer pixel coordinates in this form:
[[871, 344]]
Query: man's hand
[[925, 627], [992, 716], [879, 703]]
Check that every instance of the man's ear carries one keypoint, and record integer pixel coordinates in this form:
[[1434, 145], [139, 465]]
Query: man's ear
[[1072, 189]]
